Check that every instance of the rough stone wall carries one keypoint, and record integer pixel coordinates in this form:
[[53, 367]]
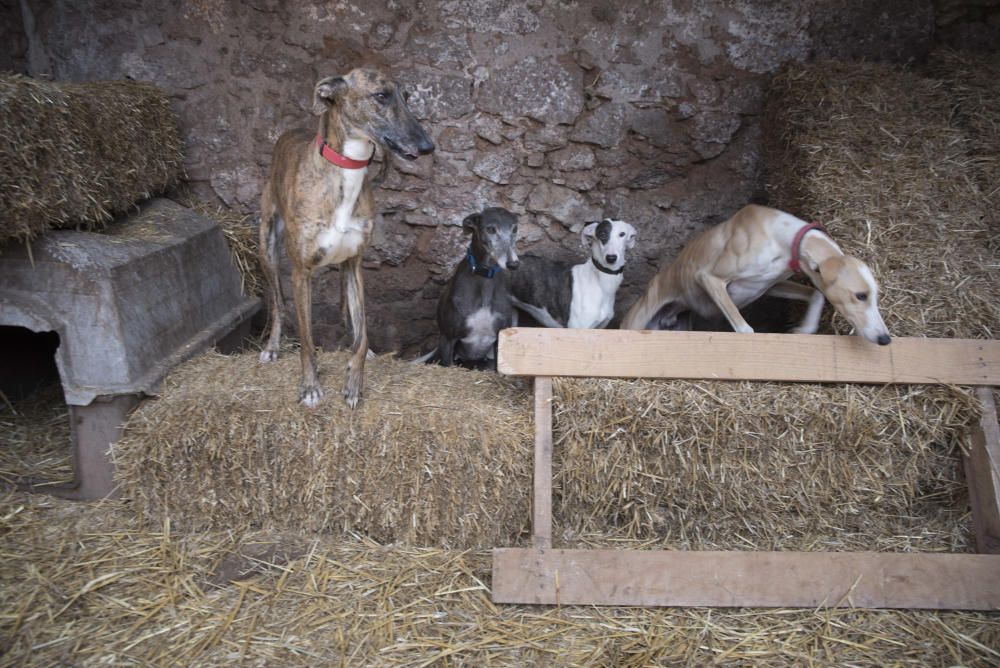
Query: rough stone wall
[[562, 111]]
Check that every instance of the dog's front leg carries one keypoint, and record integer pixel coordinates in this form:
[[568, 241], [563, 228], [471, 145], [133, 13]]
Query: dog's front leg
[[803, 293], [359, 350], [716, 289], [310, 393]]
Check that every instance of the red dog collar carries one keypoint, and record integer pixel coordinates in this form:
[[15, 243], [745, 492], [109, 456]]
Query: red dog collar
[[338, 159], [793, 264]]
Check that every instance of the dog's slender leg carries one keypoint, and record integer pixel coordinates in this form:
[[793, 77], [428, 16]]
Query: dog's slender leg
[[270, 225], [716, 289], [345, 310], [446, 351], [359, 350], [310, 393], [803, 293]]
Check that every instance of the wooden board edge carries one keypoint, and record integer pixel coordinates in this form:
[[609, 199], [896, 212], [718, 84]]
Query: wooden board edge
[[790, 357], [982, 472], [747, 579]]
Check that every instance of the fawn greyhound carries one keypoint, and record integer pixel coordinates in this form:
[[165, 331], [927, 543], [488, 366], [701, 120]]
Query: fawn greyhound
[[752, 254], [318, 193]]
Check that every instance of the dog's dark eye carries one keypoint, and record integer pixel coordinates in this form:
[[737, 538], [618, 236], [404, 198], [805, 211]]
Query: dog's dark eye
[[862, 296], [621, 234], [381, 97]]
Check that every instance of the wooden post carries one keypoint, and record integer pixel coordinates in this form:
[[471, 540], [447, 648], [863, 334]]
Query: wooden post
[[542, 519], [982, 471]]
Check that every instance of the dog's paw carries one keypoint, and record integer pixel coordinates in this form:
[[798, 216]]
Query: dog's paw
[[803, 330], [352, 397], [310, 396], [745, 329], [268, 356], [352, 389], [369, 355]]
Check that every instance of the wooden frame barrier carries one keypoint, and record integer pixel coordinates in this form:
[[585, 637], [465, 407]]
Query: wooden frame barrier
[[544, 575]]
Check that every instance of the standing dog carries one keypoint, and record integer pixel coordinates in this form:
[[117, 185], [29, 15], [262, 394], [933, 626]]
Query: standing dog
[[755, 253], [475, 304], [582, 296], [318, 194]]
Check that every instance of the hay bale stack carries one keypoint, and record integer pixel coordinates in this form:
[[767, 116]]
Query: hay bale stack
[[875, 154], [76, 154], [761, 466], [972, 79], [432, 457]]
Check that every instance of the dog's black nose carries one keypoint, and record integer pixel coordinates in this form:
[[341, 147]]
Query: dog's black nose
[[883, 339], [425, 146], [513, 264], [610, 259]]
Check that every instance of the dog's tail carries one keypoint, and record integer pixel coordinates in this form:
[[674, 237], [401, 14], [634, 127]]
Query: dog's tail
[[430, 358], [641, 313]]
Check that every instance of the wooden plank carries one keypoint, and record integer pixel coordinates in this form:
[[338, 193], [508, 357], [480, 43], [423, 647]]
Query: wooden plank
[[732, 356], [982, 470], [541, 526], [758, 579]]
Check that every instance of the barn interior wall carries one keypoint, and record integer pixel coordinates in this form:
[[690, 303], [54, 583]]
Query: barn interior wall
[[561, 111]]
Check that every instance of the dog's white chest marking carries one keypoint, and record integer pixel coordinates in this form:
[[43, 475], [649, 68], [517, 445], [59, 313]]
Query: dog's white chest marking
[[481, 333], [345, 236], [593, 302]]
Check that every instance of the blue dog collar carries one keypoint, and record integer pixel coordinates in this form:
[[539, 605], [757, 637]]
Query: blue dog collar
[[479, 270]]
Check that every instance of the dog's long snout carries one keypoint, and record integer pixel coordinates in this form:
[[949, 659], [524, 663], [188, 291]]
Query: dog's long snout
[[425, 145], [883, 339], [513, 264]]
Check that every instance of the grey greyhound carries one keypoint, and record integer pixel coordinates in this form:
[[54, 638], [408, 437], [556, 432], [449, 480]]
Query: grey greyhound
[[476, 303]]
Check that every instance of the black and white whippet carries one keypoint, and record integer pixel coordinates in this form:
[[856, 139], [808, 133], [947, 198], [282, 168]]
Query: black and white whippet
[[475, 304], [557, 294]]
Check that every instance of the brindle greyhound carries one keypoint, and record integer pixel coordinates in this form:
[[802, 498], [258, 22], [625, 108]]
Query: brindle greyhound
[[319, 194]]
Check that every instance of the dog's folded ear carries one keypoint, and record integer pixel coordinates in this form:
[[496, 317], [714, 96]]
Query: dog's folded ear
[[630, 240], [326, 93], [588, 232], [471, 222], [830, 268]]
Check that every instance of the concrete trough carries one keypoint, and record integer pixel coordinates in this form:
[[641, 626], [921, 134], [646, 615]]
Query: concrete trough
[[129, 304]]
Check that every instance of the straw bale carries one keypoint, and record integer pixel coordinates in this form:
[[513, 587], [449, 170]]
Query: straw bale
[[88, 584], [874, 153], [442, 457], [434, 456], [761, 466], [77, 154]]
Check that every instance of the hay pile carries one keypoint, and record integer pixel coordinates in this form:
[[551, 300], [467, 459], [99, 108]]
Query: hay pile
[[76, 154], [35, 438], [86, 584], [875, 153], [973, 81], [434, 456]]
